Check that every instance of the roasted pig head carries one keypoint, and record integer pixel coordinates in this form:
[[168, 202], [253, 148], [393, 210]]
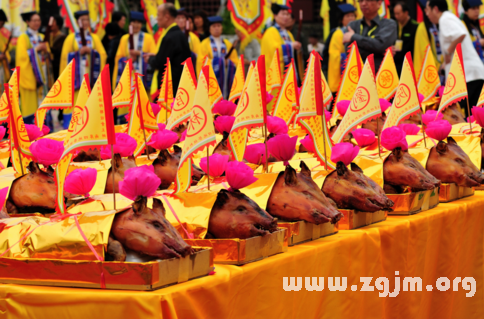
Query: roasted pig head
[[295, 196], [450, 164], [34, 192], [87, 156], [121, 165], [453, 114], [222, 148], [376, 125], [147, 232], [234, 215], [401, 170], [351, 189]]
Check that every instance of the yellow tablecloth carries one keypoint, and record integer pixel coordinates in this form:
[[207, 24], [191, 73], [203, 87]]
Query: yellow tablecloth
[[444, 242]]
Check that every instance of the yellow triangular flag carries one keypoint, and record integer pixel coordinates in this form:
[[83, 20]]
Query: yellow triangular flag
[[274, 74], [124, 92], [429, 80], [200, 132], [214, 91], [364, 105], [239, 81], [4, 110], [455, 86], [387, 77], [287, 96], [350, 78], [480, 102], [166, 94], [77, 118], [185, 96], [406, 102]]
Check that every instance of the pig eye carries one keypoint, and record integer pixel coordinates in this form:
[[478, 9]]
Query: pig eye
[[240, 209], [460, 161], [360, 183], [157, 225], [308, 194]]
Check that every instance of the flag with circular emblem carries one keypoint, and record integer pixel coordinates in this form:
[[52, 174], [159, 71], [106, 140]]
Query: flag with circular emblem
[[4, 109], [166, 94], [200, 131], [274, 80], [184, 98], [287, 99], [123, 94], [364, 104], [387, 77], [406, 102], [239, 80], [60, 96], [214, 92], [429, 80], [455, 87]]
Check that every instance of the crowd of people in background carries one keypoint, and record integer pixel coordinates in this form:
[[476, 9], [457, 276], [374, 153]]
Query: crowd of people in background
[[182, 35]]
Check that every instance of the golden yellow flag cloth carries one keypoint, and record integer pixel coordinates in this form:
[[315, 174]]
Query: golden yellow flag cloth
[[287, 100], [239, 81], [387, 77], [123, 94], [214, 91], [455, 86], [429, 80]]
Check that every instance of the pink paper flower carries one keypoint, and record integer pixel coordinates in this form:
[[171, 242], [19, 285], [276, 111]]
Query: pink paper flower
[[156, 108], [80, 181], [161, 126], [344, 152], [384, 105], [183, 136], [224, 123], [276, 125], [363, 137], [430, 116], [3, 130], [105, 152], [282, 147], [3, 196], [308, 143], [33, 132], [441, 90], [125, 146], [217, 164], [438, 130], [47, 151], [269, 97], [410, 129], [255, 153], [342, 106], [239, 175], [328, 115], [139, 181], [478, 113], [163, 139], [45, 130], [393, 137], [470, 119], [299, 91], [224, 108], [421, 97]]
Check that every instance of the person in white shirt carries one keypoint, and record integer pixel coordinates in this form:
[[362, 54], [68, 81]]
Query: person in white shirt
[[452, 32], [315, 45]]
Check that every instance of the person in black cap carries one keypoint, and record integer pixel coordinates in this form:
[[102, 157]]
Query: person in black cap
[[334, 53], [278, 37], [407, 28], [174, 45], [4, 57], [471, 20], [30, 56], [183, 20], [89, 54]]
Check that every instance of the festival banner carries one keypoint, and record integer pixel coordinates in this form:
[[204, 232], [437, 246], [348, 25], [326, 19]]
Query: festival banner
[[4, 108], [350, 78], [13, 9], [123, 94], [248, 17], [455, 86], [184, 98], [200, 132], [67, 10], [214, 91], [406, 102], [150, 8], [387, 77], [239, 81], [60, 96], [364, 105], [429, 80], [288, 96]]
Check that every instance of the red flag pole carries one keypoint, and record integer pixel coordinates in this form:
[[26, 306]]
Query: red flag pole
[[261, 69], [205, 71], [13, 129]]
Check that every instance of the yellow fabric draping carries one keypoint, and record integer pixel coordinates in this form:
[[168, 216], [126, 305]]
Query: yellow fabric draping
[[446, 241]]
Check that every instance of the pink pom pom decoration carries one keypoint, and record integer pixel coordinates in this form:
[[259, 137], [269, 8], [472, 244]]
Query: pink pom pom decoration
[[239, 175], [438, 130], [33, 132], [276, 125], [342, 106], [269, 97], [430, 116], [393, 137], [224, 123], [162, 140], [328, 115], [308, 143], [384, 105], [363, 137], [421, 97], [470, 119], [478, 113], [224, 108], [282, 147], [125, 146], [45, 130], [183, 136], [3, 196], [161, 126], [105, 152], [139, 181], [47, 151], [156, 108], [3, 130], [441, 91], [217, 164], [344, 152], [410, 129], [80, 181], [255, 153]]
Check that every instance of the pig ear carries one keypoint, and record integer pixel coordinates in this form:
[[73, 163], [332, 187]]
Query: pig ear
[[356, 168], [162, 158], [34, 167], [450, 140], [222, 198], [50, 170], [441, 147], [158, 206], [118, 162], [131, 158], [398, 153], [341, 168], [139, 205], [290, 176], [177, 149], [304, 169], [226, 136]]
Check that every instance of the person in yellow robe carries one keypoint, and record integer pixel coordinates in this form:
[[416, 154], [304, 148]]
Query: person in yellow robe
[[334, 53], [217, 50], [31, 56], [87, 50], [277, 37], [4, 57], [193, 41]]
